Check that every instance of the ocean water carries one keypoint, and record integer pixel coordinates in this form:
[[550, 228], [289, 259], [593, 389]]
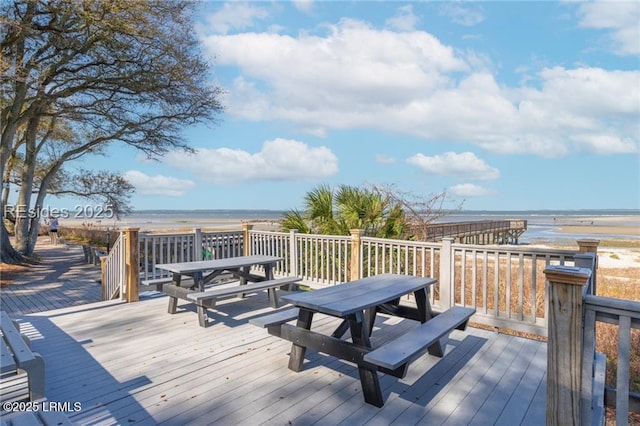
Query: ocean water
[[549, 224], [541, 224]]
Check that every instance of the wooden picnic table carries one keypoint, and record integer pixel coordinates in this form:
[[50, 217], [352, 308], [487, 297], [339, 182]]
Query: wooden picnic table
[[357, 303], [205, 271]]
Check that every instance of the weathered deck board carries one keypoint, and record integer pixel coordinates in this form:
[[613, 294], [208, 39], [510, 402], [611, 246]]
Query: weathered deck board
[[53, 285], [136, 364]]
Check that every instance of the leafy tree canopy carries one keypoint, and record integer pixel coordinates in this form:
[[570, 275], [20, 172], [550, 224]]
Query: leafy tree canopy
[[76, 76]]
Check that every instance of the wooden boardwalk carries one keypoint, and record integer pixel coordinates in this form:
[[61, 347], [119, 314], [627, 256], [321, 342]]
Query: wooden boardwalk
[[136, 364], [62, 279]]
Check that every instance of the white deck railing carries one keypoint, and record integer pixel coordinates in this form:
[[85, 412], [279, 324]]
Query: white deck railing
[[505, 284], [155, 248], [112, 274]]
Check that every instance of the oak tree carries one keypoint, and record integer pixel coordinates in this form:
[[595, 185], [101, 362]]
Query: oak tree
[[105, 72]]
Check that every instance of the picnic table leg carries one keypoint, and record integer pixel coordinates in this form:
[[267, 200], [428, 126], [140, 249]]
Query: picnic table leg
[[370, 318], [268, 271], [173, 301], [296, 357], [342, 328], [273, 298], [368, 377], [425, 314]]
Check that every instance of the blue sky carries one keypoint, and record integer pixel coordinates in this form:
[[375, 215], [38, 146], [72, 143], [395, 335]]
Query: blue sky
[[505, 105]]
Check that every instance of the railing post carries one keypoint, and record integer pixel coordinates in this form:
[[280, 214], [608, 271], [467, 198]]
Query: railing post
[[564, 347], [356, 262], [131, 264], [590, 246], [103, 277], [197, 244], [293, 252], [446, 273], [246, 227], [588, 261]]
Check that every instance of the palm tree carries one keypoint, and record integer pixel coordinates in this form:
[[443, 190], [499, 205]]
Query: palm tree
[[335, 212]]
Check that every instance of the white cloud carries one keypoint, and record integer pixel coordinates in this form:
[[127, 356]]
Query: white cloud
[[620, 18], [464, 165], [279, 160], [158, 184], [405, 20], [235, 16], [468, 190], [384, 159], [303, 5], [409, 82], [466, 15]]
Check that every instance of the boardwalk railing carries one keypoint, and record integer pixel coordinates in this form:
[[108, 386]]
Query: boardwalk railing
[[509, 287], [155, 248], [112, 271], [505, 285], [479, 232], [576, 391], [623, 315]]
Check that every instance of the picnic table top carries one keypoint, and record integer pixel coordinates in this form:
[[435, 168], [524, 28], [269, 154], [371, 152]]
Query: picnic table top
[[344, 299], [217, 264]]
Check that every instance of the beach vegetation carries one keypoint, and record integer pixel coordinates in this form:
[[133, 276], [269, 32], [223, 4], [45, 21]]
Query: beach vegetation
[[380, 211], [78, 77]]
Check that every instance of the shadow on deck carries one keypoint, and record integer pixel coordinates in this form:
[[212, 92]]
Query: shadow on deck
[[136, 364]]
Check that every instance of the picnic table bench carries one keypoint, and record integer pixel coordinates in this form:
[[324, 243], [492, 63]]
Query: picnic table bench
[[207, 299], [16, 358], [202, 272], [357, 304]]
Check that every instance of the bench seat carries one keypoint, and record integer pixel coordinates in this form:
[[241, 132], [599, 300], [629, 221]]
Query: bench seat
[[160, 282], [16, 357], [207, 299], [415, 342], [276, 318]]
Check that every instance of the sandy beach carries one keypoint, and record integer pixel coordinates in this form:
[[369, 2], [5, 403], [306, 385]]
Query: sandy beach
[[612, 225]]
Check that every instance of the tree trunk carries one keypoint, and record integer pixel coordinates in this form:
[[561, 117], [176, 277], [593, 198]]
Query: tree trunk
[[7, 253]]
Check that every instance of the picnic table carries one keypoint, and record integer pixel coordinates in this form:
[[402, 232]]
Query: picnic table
[[357, 304], [205, 271]]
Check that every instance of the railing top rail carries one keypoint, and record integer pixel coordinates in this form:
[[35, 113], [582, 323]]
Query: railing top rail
[[258, 232], [401, 242], [164, 234], [238, 232], [474, 222], [623, 307], [506, 249], [324, 237]]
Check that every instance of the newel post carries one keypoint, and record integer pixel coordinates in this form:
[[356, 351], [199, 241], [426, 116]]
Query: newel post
[[197, 244], [131, 264], [446, 273], [246, 227], [293, 252], [356, 250], [103, 277], [590, 246], [564, 347]]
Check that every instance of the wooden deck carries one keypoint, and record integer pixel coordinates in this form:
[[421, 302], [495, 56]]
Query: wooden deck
[[62, 279], [136, 364]]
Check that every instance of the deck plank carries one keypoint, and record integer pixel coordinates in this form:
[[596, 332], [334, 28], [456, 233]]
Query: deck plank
[[156, 368]]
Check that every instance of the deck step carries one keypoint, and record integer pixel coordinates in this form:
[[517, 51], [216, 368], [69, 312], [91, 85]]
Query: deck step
[[415, 342]]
